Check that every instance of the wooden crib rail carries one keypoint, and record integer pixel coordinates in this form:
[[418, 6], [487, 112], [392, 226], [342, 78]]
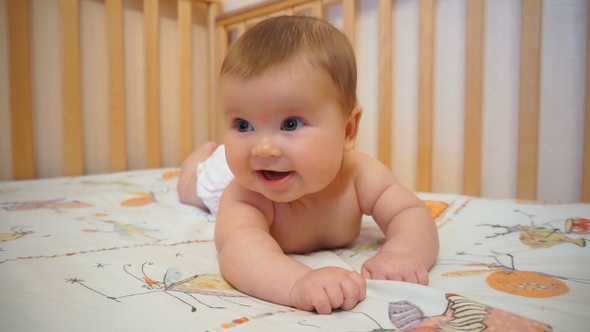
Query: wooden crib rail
[[195, 118], [232, 24], [19, 20]]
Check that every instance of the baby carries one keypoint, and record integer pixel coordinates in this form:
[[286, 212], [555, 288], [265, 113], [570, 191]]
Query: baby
[[288, 179]]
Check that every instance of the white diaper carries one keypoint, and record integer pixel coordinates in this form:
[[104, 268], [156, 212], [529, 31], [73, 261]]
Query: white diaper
[[213, 176]]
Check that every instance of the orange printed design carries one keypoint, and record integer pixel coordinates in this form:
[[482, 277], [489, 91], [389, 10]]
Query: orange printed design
[[527, 284], [144, 198], [17, 233], [520, 283], [577, 226], [207, 284], [508, 280], [436, 208], [244, 320], [171, 174]]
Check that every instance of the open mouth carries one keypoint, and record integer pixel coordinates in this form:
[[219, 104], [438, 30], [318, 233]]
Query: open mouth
[[274, 176]]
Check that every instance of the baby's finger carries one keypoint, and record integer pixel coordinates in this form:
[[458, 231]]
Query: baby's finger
[[362, 284], [423, 277], [410, 276], [365, 273], [322, 303], [352, 294], [335, 294]]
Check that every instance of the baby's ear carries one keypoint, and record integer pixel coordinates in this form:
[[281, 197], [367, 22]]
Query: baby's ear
[[351, 128]]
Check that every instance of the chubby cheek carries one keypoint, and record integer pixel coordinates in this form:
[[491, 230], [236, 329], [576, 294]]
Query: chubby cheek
[[321, 166], [237, 159]]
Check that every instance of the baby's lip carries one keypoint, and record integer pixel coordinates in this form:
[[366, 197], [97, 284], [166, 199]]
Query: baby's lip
[[274, 175]]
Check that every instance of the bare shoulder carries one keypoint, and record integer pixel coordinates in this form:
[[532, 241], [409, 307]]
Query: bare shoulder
[[240, 205], [368, 171], [373, 182]]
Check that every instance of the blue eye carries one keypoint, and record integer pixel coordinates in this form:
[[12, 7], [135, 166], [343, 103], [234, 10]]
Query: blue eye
[[292, 124], [243, 126]]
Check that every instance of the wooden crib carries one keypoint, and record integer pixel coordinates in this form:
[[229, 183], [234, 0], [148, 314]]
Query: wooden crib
[[93, 86]]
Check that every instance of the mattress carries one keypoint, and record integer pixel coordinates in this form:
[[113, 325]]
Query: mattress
[[119, 252]]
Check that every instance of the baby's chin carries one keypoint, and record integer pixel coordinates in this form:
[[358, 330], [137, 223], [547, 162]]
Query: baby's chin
[[264, 184]]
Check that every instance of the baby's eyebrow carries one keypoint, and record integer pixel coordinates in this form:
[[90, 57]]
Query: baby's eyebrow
[[234, 113]]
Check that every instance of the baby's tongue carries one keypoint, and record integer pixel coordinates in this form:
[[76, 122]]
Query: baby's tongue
[[272, 175]]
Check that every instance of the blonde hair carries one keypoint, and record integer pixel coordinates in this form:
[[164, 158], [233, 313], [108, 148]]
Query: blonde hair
[[278, 40]]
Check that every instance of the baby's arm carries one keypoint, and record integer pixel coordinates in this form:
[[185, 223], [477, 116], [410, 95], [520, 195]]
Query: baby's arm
[[411, 243], [253, 262]]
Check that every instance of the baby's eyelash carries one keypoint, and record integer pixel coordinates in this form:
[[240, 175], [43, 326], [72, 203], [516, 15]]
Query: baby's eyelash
[[292, 124], [242, 125]]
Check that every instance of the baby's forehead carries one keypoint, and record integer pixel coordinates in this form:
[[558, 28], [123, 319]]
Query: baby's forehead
[[297, 77], [295, 65]]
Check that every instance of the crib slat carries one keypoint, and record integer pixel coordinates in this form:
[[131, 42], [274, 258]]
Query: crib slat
[[302, 9], [118, 141], [586, 167], [73, 132], [260, 9], [426, 94], [350, 22], [21, 112], [313, 8], [217, 48], [474, 97], [530, 86], [329, 3], [152, 84], [186, 83], [317, 9], [386, 91]]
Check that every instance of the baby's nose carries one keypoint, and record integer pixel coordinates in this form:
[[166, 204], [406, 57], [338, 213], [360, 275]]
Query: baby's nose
[[266, 148]]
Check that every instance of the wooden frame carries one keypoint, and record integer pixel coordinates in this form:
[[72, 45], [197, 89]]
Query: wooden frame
[[221, 26], [474, 88], [24, 164]]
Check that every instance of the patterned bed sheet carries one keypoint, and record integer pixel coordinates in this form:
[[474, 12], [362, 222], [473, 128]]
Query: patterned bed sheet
[[118, 252]]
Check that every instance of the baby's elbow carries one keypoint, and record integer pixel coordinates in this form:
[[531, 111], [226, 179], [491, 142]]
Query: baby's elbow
[[186, 193], [181, 188], [226, 266], [184, 198], [219, 238], [218, 245]]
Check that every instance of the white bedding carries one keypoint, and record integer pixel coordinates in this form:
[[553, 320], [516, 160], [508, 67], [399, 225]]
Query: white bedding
[[118, 252]]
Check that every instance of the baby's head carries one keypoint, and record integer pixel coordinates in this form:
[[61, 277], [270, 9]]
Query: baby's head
[[278, 40]]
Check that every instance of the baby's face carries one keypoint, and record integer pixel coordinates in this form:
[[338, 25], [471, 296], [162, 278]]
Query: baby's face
[[284, 131]]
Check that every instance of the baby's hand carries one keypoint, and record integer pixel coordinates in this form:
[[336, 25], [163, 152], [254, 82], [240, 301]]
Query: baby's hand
[[328, 288], [390, 266]]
